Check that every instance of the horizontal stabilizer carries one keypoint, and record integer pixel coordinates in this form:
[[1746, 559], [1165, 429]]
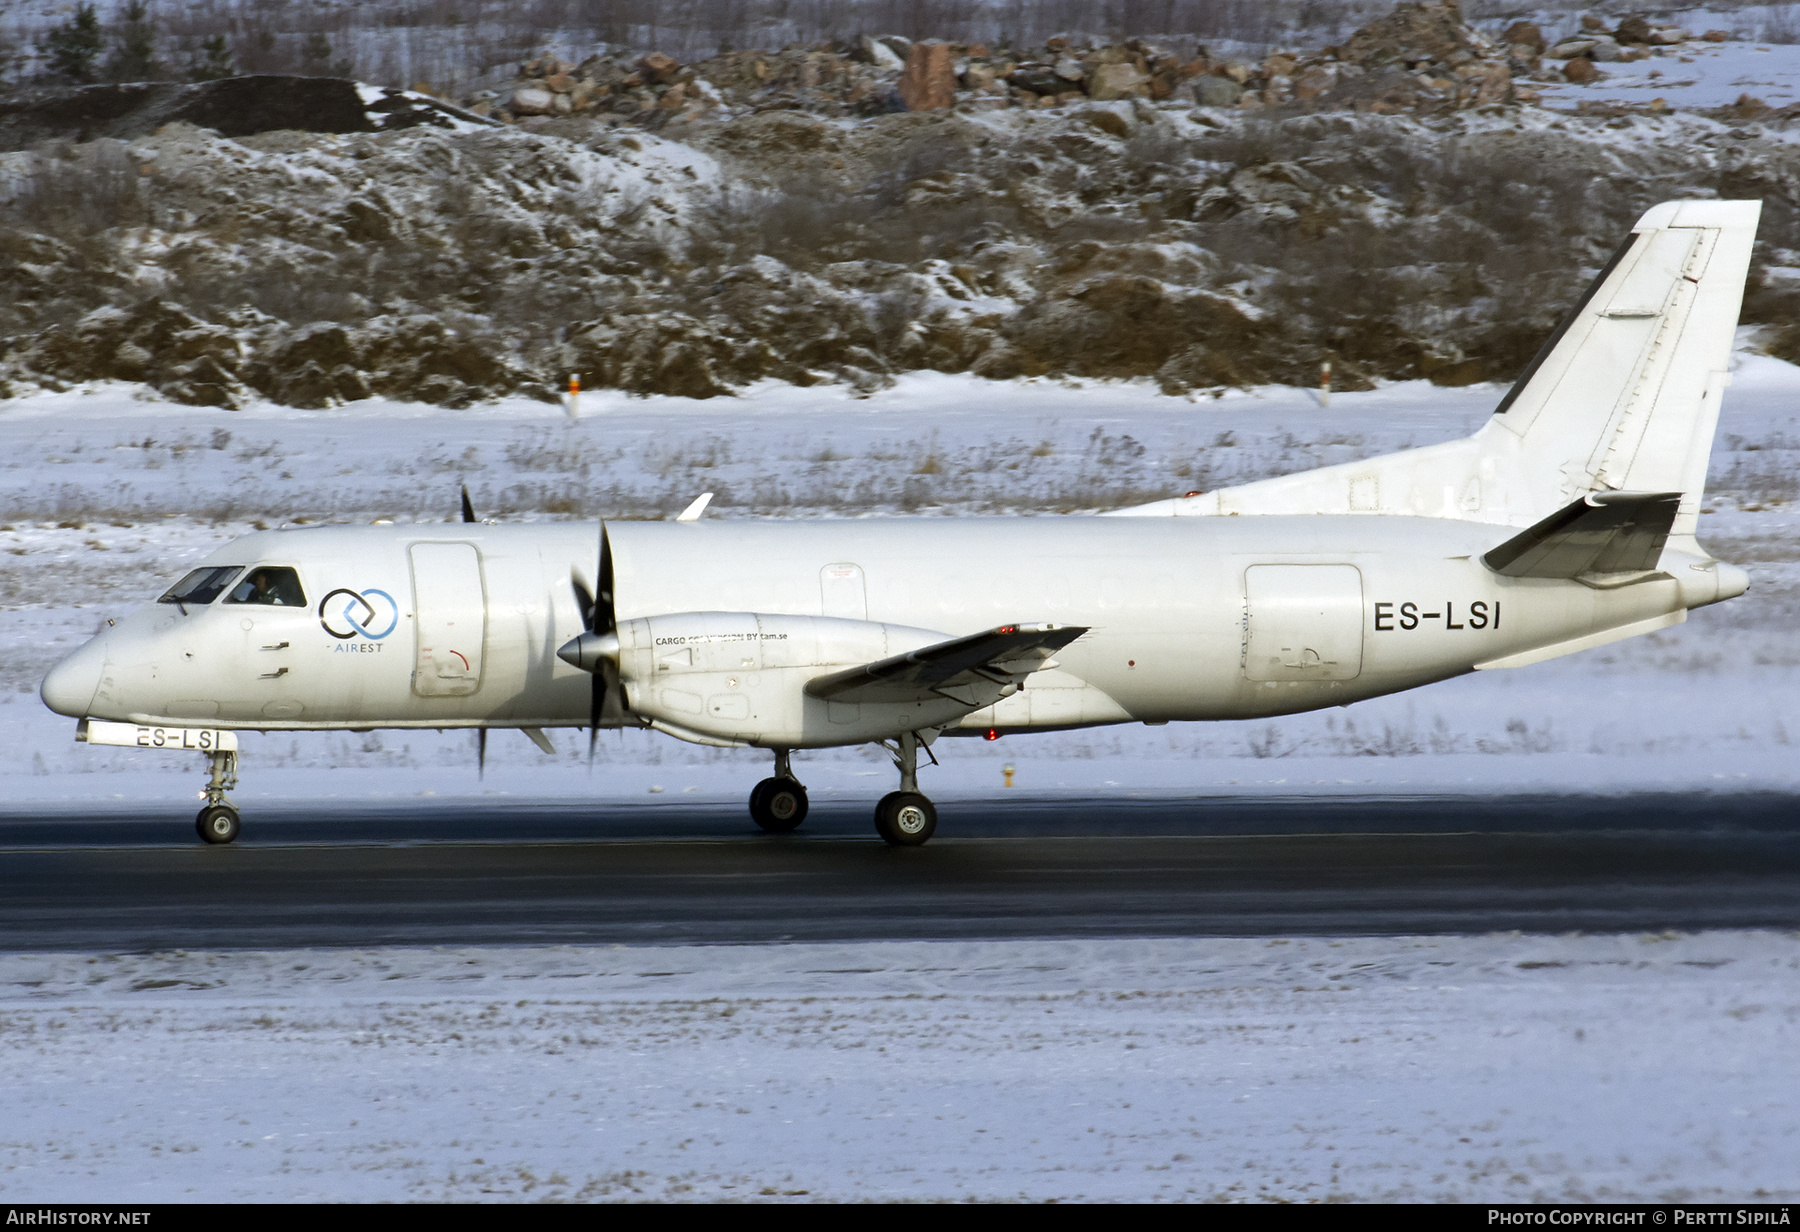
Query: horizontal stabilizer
[[1601, 535], [976, 670]]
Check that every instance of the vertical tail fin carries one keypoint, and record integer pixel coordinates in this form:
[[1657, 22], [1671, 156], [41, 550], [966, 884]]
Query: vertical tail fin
[[1625, 395]]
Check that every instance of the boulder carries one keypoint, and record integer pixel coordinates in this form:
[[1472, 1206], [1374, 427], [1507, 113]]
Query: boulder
[[1109, 121], [1038, 78], [1581, 71], [1668, 36], [657, 67], [1716, 36], [532, 101], [981, 77], [881, 55], [326, 345], [1112, 81], [1568, 49], [1606, 51], [1633, 29], [1524, 32], [1217, 91], [1494, 86], [929, 82], [1315, 81]]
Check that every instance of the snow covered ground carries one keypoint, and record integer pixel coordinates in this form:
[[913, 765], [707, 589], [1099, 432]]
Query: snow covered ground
[[105, 497], [1693, 75], [1506, 1068]]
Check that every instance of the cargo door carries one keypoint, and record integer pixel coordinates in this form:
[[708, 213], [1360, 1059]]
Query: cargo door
[[450, 615], [1303, 622]]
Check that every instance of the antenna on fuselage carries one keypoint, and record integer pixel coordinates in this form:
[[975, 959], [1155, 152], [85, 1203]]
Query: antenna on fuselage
[[468, 509]]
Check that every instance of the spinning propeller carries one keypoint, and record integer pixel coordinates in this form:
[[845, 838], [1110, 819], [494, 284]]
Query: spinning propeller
[[596, 650]]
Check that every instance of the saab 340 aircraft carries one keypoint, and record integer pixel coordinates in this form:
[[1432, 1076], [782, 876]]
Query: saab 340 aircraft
[[1566, 522]]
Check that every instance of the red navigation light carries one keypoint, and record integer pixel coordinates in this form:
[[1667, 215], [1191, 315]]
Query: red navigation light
[[1009, 628], [990, 734]]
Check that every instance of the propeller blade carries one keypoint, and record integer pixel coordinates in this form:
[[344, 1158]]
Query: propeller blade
[[596, 699], [605, 624], [584, 602], [481, 752], [468, 509], [605, 620]]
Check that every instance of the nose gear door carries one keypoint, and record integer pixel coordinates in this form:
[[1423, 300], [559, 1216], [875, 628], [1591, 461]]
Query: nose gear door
[[450, 618]]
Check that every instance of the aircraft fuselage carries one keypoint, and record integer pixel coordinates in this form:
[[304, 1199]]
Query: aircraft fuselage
[[1188, 619]]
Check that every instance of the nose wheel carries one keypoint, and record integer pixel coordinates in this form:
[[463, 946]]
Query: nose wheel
[[218, 821]]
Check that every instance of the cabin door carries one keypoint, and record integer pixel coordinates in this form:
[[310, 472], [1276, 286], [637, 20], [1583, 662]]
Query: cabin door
[[450, 615]]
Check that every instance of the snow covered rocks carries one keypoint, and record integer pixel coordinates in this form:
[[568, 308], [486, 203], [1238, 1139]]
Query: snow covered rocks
[[232, 107], [1633, 39]]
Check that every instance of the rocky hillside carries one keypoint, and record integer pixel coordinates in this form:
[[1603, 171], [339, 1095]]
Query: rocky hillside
[[1396, 203]]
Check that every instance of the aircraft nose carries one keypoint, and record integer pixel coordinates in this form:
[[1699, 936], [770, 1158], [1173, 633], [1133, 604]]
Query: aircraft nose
[[70, 687]]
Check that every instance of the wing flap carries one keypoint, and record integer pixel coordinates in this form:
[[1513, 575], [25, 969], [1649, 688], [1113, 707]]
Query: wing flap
[[1603, 535], [975, 670]]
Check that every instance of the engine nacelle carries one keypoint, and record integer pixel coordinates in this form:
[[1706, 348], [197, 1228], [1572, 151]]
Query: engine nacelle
[[738, 678]]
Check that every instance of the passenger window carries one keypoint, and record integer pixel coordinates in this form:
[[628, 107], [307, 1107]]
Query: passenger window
[[201, 586], [274, 587]]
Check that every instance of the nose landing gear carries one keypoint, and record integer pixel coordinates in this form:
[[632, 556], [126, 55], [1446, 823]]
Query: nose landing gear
[[906, 818], [218, 821], [778, 805]]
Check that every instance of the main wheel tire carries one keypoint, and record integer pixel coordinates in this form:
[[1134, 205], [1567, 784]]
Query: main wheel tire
[[218, 823], [905, 819], [778, 805]]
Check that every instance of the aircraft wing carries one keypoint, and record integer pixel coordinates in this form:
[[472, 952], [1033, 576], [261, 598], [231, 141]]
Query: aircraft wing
[[1603, 535], [977, 670]]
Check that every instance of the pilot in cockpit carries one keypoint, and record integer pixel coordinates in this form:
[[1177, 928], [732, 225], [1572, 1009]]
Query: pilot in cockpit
[[272, 587]]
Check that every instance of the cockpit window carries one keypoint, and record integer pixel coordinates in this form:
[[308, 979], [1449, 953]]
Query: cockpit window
[[270, 585], [202, 586]]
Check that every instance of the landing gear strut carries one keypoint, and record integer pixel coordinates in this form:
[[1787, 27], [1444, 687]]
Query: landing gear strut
[[905, 818], [218, 821], [778, 804]]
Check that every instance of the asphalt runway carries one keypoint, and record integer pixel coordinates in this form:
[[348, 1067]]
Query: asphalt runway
[[674, 871]]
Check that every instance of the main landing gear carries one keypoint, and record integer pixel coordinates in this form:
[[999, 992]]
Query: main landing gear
[[778, 804], [905, 818], [218, 821]]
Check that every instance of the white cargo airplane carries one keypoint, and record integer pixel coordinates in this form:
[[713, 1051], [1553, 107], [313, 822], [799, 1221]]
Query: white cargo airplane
[[1566, 522]]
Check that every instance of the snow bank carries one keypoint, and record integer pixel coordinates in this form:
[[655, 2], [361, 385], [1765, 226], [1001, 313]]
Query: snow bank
[[1507, 1068]]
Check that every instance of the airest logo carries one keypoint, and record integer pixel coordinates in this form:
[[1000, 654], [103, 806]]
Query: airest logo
[[345, 613]]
